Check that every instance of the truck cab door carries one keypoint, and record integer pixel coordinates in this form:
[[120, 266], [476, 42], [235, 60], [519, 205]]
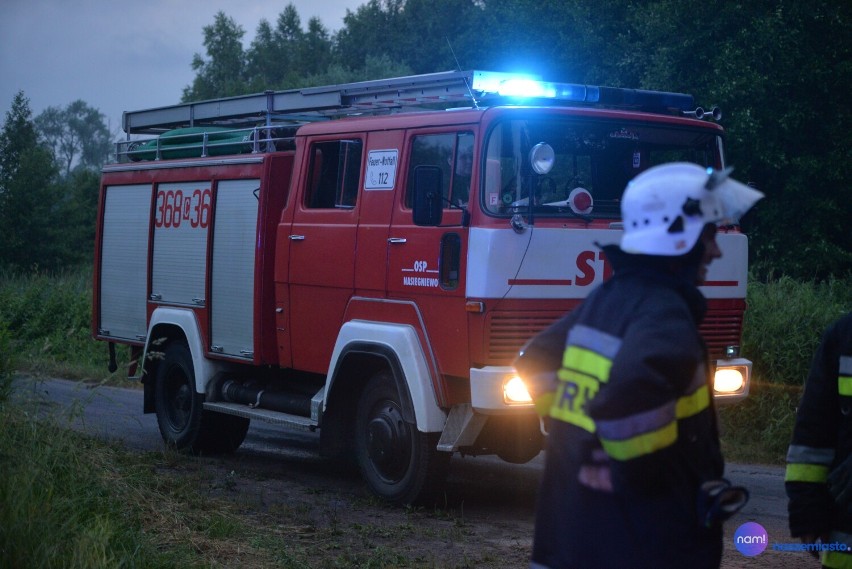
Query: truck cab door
[[426, 264], [323, 241], [381, 183]]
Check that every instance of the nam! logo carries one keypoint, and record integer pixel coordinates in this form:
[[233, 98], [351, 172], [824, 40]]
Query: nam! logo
[[751, 539]]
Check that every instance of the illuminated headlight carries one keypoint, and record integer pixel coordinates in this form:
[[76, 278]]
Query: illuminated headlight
[[731, 380], [515, 392], [728, 380]]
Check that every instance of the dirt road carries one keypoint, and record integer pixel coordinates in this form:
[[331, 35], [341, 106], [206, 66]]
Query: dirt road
[[486, 521]]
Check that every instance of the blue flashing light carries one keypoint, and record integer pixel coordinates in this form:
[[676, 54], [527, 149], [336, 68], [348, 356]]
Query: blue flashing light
[[521, 87]]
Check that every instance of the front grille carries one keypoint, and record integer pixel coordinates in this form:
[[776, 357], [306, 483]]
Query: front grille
[[509, 331], [721, 328]]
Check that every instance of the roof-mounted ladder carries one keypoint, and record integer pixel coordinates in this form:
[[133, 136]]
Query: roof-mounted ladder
[[416, 92]]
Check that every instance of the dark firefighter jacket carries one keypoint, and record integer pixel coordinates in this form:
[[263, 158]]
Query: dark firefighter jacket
[[624, 381], [822, 439]]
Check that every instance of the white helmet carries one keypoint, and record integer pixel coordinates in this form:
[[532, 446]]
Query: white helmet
[[666, 207]]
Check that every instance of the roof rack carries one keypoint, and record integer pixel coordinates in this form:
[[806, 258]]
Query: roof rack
[[400, 94]]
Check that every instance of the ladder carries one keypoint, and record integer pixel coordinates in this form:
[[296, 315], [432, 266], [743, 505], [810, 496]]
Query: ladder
[[401, 94]]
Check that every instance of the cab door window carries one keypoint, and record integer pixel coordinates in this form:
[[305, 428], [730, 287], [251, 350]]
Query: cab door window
[[334, 174], [452, 152]]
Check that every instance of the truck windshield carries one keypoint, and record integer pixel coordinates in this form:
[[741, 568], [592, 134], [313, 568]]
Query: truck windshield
[[592, 163]]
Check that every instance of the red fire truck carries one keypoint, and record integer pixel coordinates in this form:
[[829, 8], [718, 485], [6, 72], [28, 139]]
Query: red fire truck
[[365, 260]]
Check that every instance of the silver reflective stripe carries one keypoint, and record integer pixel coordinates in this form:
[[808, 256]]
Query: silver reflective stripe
[[604, 344], [845, 365], [800, 454], [640, 423]]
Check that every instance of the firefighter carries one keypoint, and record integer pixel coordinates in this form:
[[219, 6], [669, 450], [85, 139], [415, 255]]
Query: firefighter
[[633, 471], [819, 460]]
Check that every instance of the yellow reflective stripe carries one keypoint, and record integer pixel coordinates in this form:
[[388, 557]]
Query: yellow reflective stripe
[[844, 385], [574, 391], [692, 404], [543, 403], [836, 560], [587, 362], [797, 472], [642, 444]]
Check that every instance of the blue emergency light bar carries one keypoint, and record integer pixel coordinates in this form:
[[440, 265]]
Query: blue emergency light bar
[[521, 87]]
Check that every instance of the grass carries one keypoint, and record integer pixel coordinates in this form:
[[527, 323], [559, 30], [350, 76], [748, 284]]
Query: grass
[[758, 429], [49, 320], [69, 500], [784, 322]]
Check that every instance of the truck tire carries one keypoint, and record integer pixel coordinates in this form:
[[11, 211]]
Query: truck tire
[[183, 422], [399, 463]]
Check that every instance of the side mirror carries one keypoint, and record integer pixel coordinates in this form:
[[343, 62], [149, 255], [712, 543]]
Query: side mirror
[[428, 196]]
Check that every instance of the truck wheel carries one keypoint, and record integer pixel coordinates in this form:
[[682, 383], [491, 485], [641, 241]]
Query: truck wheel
[[398, 462], [183, 422]]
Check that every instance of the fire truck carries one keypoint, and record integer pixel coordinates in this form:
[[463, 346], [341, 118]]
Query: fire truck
[[365, 260]]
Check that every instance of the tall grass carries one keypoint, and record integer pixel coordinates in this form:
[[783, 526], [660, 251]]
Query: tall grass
[[48, 318], [784, 322], [59, 507]]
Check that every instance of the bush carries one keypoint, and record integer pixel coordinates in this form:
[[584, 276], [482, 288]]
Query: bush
[[783, 326], [785, 321], [7, 362], [48, 317]]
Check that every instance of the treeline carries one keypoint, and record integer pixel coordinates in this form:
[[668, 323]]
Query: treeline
[[780, 71], [49, 174]]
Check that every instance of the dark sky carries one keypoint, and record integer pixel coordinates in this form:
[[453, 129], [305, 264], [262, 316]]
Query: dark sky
[[125, 55]]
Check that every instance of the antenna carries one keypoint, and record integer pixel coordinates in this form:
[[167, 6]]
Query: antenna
[[466, 84]]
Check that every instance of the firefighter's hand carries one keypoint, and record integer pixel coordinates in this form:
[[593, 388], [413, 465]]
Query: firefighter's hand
[[596, 474], [840, 483], [811, 538]]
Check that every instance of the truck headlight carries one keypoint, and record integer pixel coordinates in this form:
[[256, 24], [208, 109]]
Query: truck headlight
[[515, 392], [728, 380], [731, 380]]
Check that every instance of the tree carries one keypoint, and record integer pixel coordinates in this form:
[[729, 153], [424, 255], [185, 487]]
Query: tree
[[283, 57], [77, 134], [223, 74], [28, 194], [316, 48], [782, 85], [263, 60], [77, 213], [374, 68], [374, 29], [780, 71]]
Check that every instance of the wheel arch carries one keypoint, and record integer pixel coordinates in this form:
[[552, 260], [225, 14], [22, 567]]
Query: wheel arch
[[390, 346], [169, 325]]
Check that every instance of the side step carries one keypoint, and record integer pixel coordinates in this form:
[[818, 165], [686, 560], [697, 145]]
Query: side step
[[295, 422]]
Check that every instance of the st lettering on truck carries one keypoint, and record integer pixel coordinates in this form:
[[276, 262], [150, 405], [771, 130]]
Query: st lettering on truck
[[329, 260]]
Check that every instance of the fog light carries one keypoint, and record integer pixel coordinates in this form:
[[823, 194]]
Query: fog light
[[728, 380], [515, 392]]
